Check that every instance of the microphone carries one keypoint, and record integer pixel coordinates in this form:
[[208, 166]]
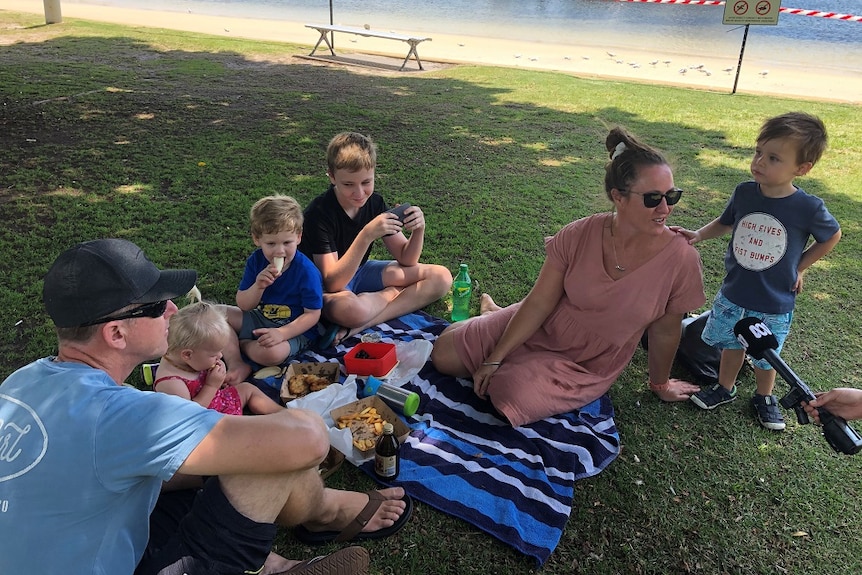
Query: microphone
[[760, 343]]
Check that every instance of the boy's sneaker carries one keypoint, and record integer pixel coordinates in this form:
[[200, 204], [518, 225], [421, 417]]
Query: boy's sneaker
[[713, 396], [767, 412]]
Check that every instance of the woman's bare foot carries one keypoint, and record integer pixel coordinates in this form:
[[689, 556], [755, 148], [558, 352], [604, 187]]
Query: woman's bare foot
[[347, 505], [487, 305]]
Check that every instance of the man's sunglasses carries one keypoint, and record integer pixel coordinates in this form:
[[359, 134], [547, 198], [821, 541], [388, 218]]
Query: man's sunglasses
[[155, 309], [653, 199]]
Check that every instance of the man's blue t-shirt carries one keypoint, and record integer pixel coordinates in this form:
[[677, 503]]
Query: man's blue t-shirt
[[769, 236], [299, 287], [82, 461]]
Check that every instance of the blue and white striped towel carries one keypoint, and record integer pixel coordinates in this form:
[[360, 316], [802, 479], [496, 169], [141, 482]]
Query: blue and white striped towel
[[516, 484]]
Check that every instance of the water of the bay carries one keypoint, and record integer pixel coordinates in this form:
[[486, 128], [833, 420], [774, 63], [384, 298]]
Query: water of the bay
[[685, 28]]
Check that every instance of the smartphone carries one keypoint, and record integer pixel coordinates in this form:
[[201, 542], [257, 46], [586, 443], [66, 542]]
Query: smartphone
[[399, 211]]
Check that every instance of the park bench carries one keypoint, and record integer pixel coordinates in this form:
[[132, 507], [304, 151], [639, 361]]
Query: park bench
[[326, 29]]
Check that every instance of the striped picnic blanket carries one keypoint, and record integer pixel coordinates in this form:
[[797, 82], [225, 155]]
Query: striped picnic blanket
[[516, 484]]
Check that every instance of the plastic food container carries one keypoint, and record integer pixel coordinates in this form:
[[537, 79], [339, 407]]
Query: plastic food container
[[380, 361]]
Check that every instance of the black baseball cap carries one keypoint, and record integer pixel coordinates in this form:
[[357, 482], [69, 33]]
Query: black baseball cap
[[95, 278]]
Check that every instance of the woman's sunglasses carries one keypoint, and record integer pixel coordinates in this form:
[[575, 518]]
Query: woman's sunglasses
[[653, 199], [155, 309]]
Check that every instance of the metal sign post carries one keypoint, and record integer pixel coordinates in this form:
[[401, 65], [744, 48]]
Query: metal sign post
[[749, 12], [331, 34], [739, 64]]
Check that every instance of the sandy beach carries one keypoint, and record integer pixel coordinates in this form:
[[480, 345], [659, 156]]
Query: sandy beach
[[708, 73]]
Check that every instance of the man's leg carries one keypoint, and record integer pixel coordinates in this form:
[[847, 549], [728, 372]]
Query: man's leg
[[303, 499], [202, 533], [336, 509]]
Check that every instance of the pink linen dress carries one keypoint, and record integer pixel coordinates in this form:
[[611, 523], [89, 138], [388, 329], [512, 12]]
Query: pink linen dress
[[586, 342]]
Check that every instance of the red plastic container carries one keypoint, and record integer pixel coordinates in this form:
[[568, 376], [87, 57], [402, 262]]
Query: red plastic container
[[380, 361]]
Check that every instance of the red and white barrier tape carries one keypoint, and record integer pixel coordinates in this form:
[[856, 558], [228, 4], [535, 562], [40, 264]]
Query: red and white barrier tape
[[797, 11], [819, 14]]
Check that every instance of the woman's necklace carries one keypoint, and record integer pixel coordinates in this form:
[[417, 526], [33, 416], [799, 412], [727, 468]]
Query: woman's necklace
[[617, 267]]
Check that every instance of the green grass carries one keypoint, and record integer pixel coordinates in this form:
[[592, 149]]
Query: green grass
[[167, 138]]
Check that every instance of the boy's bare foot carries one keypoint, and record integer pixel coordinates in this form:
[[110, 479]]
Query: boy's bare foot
[[487, 305]]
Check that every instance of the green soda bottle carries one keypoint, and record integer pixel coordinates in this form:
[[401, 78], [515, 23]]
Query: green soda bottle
[[462, 287]]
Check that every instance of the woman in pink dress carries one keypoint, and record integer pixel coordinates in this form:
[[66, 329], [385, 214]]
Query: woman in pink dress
[[606, 279]]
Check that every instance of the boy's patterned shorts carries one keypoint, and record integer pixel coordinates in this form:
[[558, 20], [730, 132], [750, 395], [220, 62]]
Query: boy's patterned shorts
[[718, 331]]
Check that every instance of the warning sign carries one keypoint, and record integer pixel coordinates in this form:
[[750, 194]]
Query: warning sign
[[751, 12]]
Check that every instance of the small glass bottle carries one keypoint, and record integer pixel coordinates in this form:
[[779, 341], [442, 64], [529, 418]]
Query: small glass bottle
[[462, 287], [386, 456]]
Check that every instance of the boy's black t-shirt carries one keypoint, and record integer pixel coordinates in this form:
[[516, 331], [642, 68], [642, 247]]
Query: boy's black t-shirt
[[328, 229]]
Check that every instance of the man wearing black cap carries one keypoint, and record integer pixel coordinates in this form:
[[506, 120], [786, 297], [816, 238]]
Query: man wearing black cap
[[83, 458]]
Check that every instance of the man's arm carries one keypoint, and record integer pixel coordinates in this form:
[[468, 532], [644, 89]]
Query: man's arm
[[290, 440]]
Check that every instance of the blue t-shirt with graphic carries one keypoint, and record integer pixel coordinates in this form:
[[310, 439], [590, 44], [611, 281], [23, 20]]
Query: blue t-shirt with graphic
[[299, 287], [82, 461], [769, 237]]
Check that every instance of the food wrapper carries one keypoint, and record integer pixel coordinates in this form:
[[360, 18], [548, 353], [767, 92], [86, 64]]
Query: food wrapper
[[323, 402]]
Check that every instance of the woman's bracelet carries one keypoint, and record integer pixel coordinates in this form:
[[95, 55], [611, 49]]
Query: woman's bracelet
[[492, 363], [659, 387]]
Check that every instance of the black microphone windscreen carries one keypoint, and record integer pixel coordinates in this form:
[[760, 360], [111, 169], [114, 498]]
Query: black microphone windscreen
[[753, 334]]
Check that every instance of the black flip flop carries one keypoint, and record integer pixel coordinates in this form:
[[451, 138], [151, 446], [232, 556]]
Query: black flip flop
[[353, 532]]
